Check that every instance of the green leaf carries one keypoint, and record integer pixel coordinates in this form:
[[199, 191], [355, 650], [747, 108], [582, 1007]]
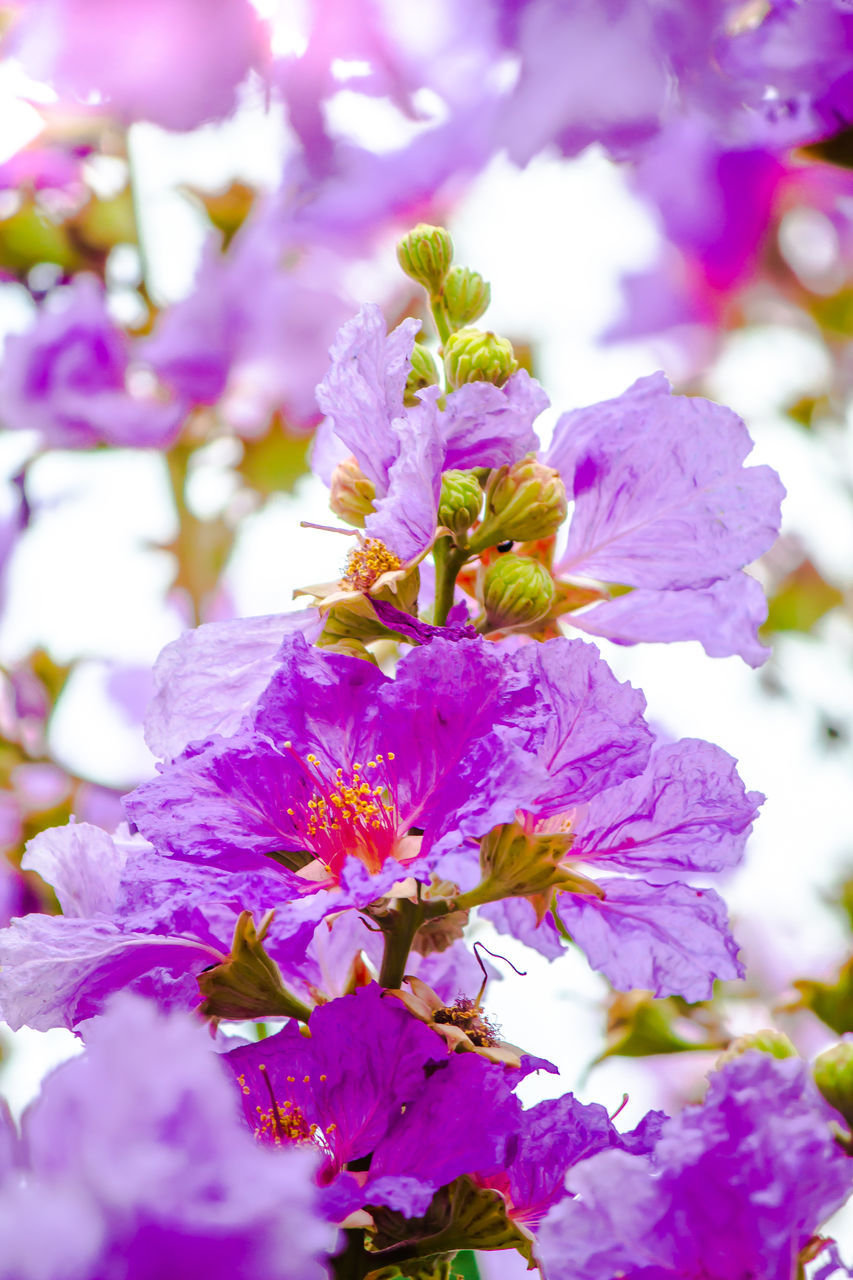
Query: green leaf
[[801, 601], [832, 1002], [275, 462], [640, 1026]]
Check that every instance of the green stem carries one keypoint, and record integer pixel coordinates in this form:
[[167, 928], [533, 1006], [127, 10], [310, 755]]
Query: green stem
[[449, 559], [353, 1262], [400, 930], [439, 315]]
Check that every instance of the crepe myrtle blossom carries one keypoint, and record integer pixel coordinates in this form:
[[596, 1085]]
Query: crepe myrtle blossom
[[134, 1162], [372, 1082], [66, 378], [403, 450], [664, 506], [735, 1187], [156, 60]]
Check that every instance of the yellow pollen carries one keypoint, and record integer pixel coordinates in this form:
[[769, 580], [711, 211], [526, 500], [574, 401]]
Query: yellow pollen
[[367, 562]]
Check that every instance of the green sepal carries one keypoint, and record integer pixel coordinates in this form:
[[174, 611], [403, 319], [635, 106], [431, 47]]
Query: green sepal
[[775, 1043], [248, 984], [832, 1002], [516, 863], [640, 1026], [461, 1216]]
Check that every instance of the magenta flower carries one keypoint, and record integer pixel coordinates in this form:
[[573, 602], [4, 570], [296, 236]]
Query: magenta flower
[[725, 1193], [135, 1162], [67, 379], [157, 60], [664, 505]]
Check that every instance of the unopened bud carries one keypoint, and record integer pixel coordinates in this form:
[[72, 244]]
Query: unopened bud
[[524, 502], [460, 501], [833, 1075], [423, 373], [352, 494], [474, 355], [466, 296], [516, 592], [776, 1043], [425, 254]]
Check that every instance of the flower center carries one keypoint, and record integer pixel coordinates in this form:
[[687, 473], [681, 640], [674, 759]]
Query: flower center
[[353, 812], [367, 562], [469, 1017], [283, 1124]]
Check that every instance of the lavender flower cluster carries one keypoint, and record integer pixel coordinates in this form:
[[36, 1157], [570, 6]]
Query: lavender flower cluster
[[323, 830]]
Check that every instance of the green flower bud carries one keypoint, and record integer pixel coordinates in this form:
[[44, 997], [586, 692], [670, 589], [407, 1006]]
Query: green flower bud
[[776, 1043], [524, 502], [833, 1075], [423, 373], [425, 254], [352, 494], [516, 592], [466, 296], [472, 355], [460, 501]]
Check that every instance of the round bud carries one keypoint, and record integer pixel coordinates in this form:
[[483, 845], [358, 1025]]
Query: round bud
[[524, 502], [776, 1043], [833, 1075], [425, 254], [466, 296], [352, 494], [460, 501], [516, 592], [423, 373], [472, 355]]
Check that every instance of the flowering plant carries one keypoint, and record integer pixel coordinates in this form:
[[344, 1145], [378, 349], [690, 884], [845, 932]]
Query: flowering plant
[[274, 953]]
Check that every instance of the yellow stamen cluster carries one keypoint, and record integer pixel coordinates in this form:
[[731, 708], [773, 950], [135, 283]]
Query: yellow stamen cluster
[[352, 800], [284, 1123], [367, 562]]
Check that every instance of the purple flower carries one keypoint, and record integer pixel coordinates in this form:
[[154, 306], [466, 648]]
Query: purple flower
[[373, 1081], [254, 331], [339, 764], [589, 72], [58, 970], [157, 60], [552, 1137], [685, 813], [663, 505], [734, 1188], [66, 378], [138, 1148], [403, 452], [342, 1087], [208, 679]]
